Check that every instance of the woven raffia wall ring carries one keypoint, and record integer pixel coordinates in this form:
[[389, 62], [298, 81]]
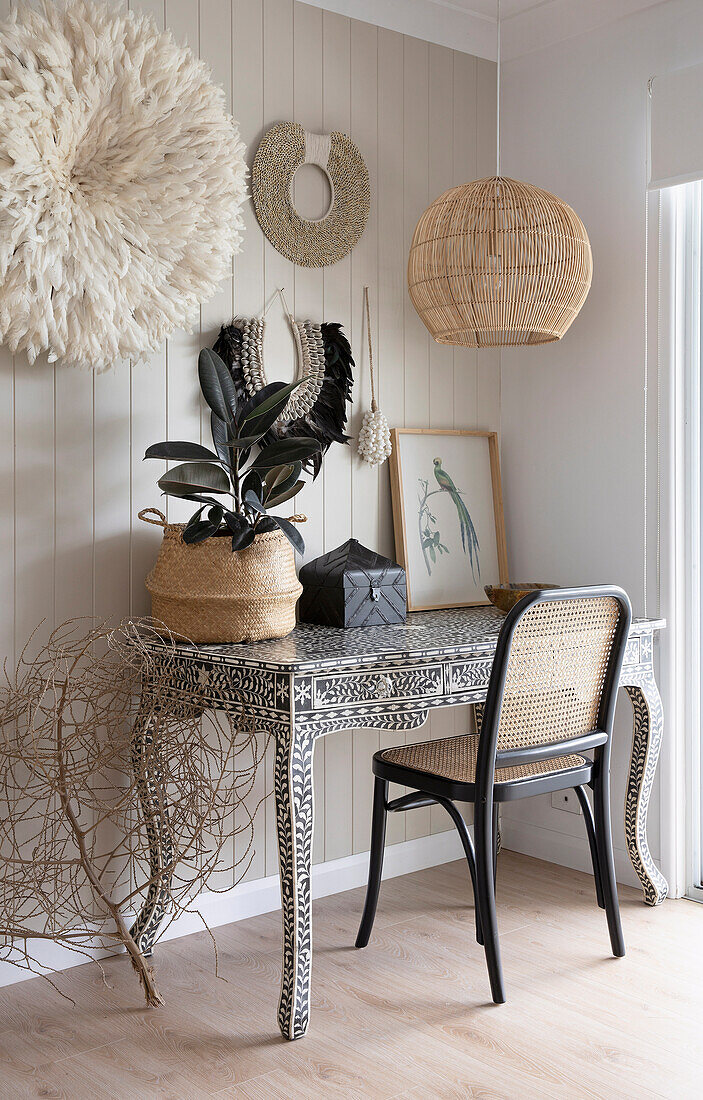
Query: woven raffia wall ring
[[284, 148], [121, 182]]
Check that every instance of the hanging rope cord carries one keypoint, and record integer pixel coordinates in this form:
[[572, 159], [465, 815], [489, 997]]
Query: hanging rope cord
[[300, 358], [374, 406]]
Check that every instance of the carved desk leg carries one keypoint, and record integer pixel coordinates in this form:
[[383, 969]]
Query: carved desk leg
[[146, 765], [294, 823], [646, 743]]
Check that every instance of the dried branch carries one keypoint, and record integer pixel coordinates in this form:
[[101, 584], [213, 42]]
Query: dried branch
[[74, 850]]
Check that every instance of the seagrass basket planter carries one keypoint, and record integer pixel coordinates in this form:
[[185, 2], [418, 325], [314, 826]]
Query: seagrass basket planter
[[212, 595]]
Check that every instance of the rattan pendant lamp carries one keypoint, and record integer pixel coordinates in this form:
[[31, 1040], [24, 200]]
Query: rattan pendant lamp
[[498, 263]]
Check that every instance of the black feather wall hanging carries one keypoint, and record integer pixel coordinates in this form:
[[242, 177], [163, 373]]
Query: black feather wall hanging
[[318, 407]]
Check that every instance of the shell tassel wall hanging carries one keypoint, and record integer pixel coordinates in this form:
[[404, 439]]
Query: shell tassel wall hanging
[[318, 407], [121, 183], [374, 444]]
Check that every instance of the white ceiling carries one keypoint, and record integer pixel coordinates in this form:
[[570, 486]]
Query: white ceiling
[[510, 8], [470, 25], [488, 7]]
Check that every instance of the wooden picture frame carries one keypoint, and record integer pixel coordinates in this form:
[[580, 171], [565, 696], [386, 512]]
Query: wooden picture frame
[[461, 545]]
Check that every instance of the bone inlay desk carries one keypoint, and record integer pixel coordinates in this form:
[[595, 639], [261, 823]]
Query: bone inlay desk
[[320, 681]]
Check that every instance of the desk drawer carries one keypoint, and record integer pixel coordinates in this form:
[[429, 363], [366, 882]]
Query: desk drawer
[[466, 675], [406, 684]]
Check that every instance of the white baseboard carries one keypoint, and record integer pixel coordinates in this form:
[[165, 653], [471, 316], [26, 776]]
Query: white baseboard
[[561, 848], [249, 899]]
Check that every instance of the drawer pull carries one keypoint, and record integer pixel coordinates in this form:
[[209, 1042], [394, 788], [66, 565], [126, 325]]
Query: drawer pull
[[384, 687]]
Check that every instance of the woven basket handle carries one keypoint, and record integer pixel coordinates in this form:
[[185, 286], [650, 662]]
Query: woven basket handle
[[160, 522], [299, 518]]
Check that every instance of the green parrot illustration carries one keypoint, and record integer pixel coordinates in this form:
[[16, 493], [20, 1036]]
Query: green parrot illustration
[[469, 539]]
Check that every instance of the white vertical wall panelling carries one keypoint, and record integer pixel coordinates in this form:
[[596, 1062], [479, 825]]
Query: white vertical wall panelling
[[310, 195], [489, 358], [392, 258], [441, 358], [278, 272], [464, 154], [364, 272], [416, 196], [7, 485], [464, 142], [336, 115], [310, 192], [69, 439], [215, 38], [34, 497], [339, 487], [182, 349], [215, 45], [248, 99], [149, 395], [278, 107], [111, 482]]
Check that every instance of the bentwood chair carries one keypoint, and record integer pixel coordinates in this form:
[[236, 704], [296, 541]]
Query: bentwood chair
[[551, 698]]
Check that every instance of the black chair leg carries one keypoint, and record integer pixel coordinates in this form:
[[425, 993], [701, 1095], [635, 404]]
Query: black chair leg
[[495, 846], [591, 833], [378, 842], [467, 844], [604, 843], [485, 896]]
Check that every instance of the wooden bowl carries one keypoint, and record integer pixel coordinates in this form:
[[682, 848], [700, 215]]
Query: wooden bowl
[[505, 596]]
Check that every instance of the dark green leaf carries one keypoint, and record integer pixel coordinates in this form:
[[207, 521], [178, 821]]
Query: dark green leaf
[[284, 495], [199, 532], [277, 474], [291, 532], [220, 435], [197, 529], [217, 385], [281, 484], [252, 481], [264, 408], [286, 451], [240, 442], [179, 451], [254, 503], [236, 522], [243, 539], [194, 477], [194, 518], [198, 498], [265, 524]]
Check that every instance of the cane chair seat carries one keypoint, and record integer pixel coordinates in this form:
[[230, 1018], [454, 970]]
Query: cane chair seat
[[454, 759]]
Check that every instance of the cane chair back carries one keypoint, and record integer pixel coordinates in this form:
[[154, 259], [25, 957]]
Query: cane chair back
[[557, 670]]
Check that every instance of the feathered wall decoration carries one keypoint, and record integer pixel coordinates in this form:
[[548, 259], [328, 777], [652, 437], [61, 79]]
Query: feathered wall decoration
[[121, 182], [318, 407]]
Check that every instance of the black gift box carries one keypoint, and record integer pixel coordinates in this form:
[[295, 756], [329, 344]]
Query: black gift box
[[352, 586]]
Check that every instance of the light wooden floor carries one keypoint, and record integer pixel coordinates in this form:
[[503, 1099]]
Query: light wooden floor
[[407, 1017]]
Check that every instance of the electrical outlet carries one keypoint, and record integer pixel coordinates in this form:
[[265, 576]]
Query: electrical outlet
[[566, 800]]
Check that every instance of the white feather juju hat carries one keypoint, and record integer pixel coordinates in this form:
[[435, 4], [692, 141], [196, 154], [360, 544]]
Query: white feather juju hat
[[121, 182]]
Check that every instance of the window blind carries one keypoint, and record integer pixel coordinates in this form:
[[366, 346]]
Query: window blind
[[675, 129]]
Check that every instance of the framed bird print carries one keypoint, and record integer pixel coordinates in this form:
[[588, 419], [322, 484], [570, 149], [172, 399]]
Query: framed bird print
[[447, 515]]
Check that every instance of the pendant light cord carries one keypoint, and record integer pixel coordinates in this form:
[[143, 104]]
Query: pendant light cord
[[498, 88]]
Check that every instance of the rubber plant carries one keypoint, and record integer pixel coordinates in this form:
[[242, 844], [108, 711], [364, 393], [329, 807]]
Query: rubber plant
[[233, 488]]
